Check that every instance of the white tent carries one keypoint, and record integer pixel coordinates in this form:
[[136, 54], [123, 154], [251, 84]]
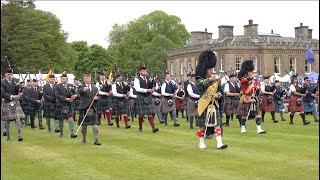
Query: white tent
[[32, 76], [224, 80], [275, 77], [285, 78]]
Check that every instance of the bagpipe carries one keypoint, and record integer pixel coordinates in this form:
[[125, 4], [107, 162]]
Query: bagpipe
[[180, 93]]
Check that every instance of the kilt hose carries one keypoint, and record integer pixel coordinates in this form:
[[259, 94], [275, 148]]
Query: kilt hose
[[49, 110], [62, 116], [144, 105], [104, 104], [165, 106], [309, 106], [88, 120], [192, 109], [12, 115], [265, 106], [293, 107], [202, 121], [243, 109], [179, 104], [278, 105], [116, 110], [231, 105]]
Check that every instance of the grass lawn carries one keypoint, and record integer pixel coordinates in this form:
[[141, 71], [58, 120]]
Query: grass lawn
[[285, 152]]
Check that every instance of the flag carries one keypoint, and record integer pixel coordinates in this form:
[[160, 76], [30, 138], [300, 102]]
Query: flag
[[110, 77], [309, 55], [49, 73]]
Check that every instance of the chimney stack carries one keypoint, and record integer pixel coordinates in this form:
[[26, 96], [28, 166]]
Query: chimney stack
[[225, 31], [302, 32], [251, 29]]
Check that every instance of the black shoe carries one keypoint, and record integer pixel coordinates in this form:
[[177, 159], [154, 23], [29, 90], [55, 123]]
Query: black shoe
[[176, 125], [223, 146], [262, 132], [275, 121], [161, 122], [306, 123], [57, 130], [191, 127], [128, 126], [20, 138], [8, 138], [283, 119], [317, 120], [61, 136], [110, 124], [33, 127], [73, 135], [227, 125], [96, 142], [154, 130], [84, 141], [4, 133], [41, 127], [183, 117], [49, 130]]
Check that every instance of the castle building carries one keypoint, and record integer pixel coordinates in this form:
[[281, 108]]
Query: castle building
[[271, 53]]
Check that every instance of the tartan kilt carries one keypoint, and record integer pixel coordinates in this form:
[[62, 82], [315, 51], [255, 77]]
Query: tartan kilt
[[33, 110], [201, 121], [185, 101], [76, 104], [103, 104], [307, 107], [165, 107], [278, 106], [7, 114], [157, 108], [142, 108], [231, 106], [132, 102], [88, 120], [243, 109], [61, 116], [118, 111], [48, 112], [25, 109], [179, 104], [192, 110], [265, 106], [293, 105]]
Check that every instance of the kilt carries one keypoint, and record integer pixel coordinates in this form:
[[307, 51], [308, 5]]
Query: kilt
[[88, 120], [25, 109], [118, 111], [165, 107], [157, 108], [48, 112], [103, 104], [32, 110], [265, 106], [142, 108], [132, 102], [278, 106], [179, 104], [307, 107], [60, 116], [231, 105], [293, 104], [201, 121], [243, 109], [192, 110], [76, 104], [7, 114]]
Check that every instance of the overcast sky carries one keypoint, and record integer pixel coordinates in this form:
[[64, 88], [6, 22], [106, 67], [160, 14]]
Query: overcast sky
[[92, 21]]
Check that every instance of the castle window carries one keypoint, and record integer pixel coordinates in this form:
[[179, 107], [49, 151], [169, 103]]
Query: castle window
[[307, 67], [222, 59], [254, 59], [171, 68], [238, 63], [292, 64], [276, 62], [181, 68]]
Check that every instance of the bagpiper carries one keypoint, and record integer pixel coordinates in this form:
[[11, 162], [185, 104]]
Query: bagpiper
[[157, 101], [24, 103], [179, 100], [49, 104], [132, 100], [185, 85], [249, 102], [209, 120], [11, 109], [279, 97], [309, 99], [144, 105], [105, 92], [76, 101], [64, 97], [267, 103], [89, 96], [193, 98]]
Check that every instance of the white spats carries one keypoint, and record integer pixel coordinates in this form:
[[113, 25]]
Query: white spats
[[201, 143], [243, 129], [260, 130]]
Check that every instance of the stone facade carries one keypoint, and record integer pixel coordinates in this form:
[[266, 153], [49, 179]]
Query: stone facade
[[271, 53]]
